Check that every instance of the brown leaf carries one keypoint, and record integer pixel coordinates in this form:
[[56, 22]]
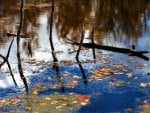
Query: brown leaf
[[82, 98], [105, 61], [28, 108], [138, 66], [70, 85]]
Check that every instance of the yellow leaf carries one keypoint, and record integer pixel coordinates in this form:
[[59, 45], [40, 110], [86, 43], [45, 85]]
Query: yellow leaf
[[83, 103], [48, 98], [117, 65], [35, 92], [54, 102], [129, 74], [105, 61], [70, 85], [58, 107], [139, 66], [28, 108], [56, 86], [43, 104]]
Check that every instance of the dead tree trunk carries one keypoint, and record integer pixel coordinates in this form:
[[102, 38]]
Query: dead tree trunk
[[18, 46], [51, 32]]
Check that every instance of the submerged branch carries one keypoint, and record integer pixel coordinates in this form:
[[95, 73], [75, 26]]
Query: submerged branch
[[114, 49]]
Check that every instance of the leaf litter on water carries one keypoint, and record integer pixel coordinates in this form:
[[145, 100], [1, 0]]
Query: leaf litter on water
[[53, 103]]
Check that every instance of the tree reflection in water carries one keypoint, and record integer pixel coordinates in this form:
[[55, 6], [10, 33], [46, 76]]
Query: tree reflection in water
[[99, 17], [120, 17]]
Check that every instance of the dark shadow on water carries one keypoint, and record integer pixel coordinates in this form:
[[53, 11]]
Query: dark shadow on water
[[55, 60], [81, 42], [59, 76], [85, 80]]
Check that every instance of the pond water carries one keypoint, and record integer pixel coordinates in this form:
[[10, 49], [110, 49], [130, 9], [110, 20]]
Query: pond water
[[113, 77]]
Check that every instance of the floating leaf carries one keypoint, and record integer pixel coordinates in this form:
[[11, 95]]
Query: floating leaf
[[92, 77], [35, 91], [75, 77], [144, 85], [58, 107], [64, 104], [54, 102], [28, 108], [120, 83], [117, 65], [56, 86], [129, 74], [66, 62], [146, 106], [70, 85], [83, 103], [82, 98], [43, 104], [66, 74], [74, 102], [129, 110], [38, 112], [105, 61], [48, 98], [138, 66]]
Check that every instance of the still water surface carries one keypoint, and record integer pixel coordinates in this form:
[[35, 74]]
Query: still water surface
[[117, 23]]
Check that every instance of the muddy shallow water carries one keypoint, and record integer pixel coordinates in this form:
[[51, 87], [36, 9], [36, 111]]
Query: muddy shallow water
[[102, 81]]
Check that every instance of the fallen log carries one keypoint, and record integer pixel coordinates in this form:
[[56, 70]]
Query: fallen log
[[113, 49]]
